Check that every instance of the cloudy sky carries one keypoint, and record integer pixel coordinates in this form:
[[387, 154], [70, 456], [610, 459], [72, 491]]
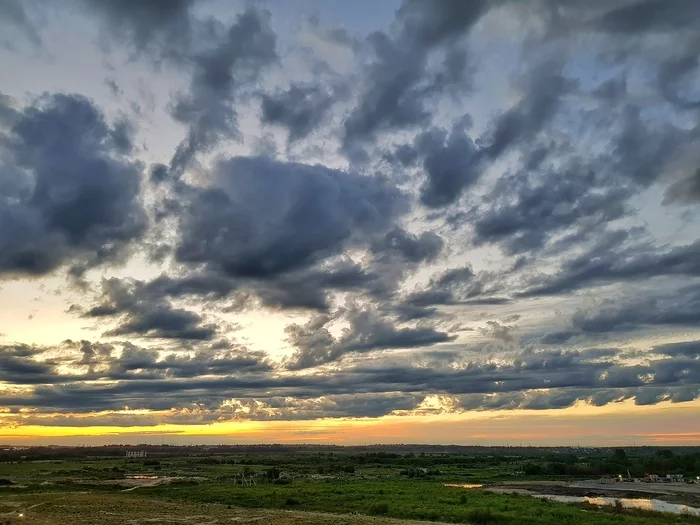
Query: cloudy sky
[[316, 221]]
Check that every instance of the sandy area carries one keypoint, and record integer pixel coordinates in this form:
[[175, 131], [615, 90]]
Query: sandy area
[[670, 492], [657, 488]]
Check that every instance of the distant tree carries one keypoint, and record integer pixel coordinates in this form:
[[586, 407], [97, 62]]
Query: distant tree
[[532, 469]]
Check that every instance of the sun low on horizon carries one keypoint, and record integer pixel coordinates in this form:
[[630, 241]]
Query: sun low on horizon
[[406, 221]]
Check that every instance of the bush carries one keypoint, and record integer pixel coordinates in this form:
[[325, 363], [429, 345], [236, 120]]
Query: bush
[[533, 469], [379, 509], [480, 515], [291, 501], [463, 499], [4, 481], [282, 481]]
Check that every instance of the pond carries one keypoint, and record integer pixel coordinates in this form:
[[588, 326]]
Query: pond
[[655, 505]]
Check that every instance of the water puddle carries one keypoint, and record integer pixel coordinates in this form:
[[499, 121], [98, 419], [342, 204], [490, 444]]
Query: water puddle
[[655, 505]]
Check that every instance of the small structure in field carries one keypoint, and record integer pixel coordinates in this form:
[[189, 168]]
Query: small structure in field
[[135, 454]]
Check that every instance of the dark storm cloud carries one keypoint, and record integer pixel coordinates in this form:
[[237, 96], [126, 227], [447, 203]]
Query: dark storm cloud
[[685, 349], [643, 147], [526, 210], [147, 316], [312, 289], [160, 29], [558, 338], [558, 190], [456, 286], [69, 194], [450, 163], [407, 246], [398, 85], [189, 284], [368, 331], [677, 307], [300, 109], [306, 288], [603, 264], [650, 15], [264, 218], [563, 398], [675, 78], [563, 166], [140, 378], [235, 61], [542, 88], [684, 191], [204, 362], [272, 233]]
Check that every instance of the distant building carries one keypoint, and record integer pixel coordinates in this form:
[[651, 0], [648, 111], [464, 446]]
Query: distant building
[[135, 454]]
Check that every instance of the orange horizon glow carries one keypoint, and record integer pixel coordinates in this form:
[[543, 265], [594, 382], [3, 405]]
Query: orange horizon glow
[[622, 424]]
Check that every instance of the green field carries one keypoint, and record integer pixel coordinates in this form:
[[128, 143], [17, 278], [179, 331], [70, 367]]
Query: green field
[[404, 486]]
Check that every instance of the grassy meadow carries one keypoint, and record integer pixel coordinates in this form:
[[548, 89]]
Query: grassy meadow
[[403, 486]]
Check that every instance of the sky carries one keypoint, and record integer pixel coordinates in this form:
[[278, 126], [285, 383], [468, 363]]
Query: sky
[[406, 221]]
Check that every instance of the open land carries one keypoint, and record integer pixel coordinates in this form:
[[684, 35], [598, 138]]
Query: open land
[[335, 485]]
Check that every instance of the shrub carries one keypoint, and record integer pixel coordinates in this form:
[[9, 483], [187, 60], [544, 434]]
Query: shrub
[[480, 515], [291, 501], [533, 469], [463, 499], [379, 509]]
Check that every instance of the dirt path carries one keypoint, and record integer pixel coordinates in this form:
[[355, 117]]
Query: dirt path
[[115, 509]]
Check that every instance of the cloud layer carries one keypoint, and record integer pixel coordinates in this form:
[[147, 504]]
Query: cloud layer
[[489, 203]]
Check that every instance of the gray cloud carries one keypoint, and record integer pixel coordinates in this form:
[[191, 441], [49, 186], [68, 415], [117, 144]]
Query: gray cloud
[[601, 117], [301, 108], [264, 218], [236, 59], [367, 332], [398, 85], [411, 248], [147, 316], [603, 264], [160, 30], [526, 210], [649, 15], [543, 87], [71, 197], [450, 164], [680, 307], [14, 16], [207, 378], [456, 286]]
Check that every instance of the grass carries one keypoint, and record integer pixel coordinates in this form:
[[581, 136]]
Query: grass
[[373, 489], [423, 500]]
